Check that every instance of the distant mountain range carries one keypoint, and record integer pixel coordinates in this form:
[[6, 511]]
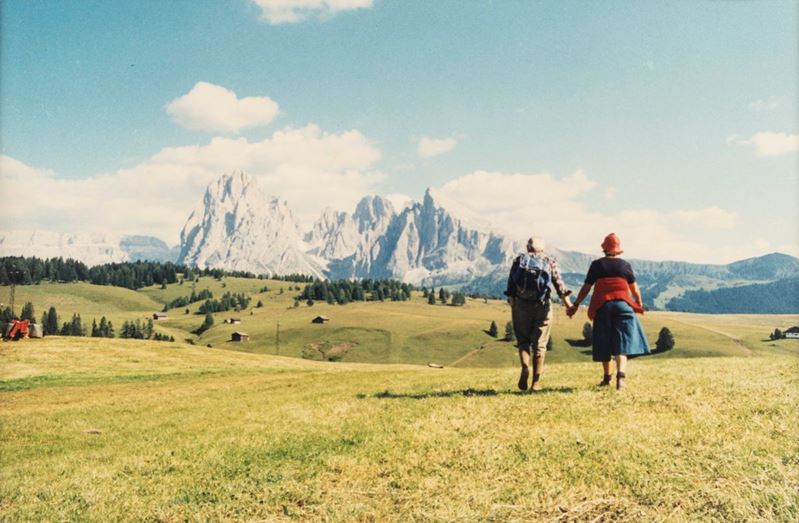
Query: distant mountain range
[[433, 242]]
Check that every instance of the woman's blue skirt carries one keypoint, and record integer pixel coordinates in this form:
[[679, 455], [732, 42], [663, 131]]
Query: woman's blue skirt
[[617, 331]]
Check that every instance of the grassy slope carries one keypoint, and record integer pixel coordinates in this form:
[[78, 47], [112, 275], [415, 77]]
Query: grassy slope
[[403, 332], [98, 430]]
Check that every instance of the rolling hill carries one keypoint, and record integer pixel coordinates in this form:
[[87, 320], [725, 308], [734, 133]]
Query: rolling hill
[[368, 332]]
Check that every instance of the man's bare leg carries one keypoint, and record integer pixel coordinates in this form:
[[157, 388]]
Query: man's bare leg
[[524, 359], [538, 369]]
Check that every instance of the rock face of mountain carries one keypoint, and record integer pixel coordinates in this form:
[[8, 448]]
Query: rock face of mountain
[[91, 249], [236, 227], [351, 244], [426, 244]]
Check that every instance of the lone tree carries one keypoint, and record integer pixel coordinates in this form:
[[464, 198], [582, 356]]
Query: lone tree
[[776, 335], [549, 343], [665, 340], [431, 299], [492, 330], [509, 335], [588, 333]]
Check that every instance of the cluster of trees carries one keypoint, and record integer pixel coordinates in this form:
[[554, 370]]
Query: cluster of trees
[[73, 327], [227, 302], [776, 335], [182, 301], [104, 330], [137, 329], [22, 270], [345, 291], [297, 278], [456, 298]]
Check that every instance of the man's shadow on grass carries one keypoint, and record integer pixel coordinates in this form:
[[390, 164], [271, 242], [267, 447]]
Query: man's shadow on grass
[[462, 392]]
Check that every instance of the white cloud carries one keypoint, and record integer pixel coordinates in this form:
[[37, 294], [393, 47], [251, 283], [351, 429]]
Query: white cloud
[[212, 108], [306, 166], [291, 11], [769, 144], [554, 207], [17, 172], [434, 146]]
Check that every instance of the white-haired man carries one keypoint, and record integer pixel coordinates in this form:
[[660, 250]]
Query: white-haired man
[[528, 294]]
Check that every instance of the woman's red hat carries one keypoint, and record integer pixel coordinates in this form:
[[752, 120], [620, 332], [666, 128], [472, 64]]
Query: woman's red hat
[[611, 244]]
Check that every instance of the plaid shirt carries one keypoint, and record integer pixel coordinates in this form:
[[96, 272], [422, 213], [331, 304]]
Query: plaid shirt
[[554, 273]]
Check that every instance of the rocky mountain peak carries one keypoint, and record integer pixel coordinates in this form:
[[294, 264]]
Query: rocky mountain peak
[[238, 227]]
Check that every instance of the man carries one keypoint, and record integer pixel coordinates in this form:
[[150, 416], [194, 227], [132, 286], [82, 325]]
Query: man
[[528, 294]]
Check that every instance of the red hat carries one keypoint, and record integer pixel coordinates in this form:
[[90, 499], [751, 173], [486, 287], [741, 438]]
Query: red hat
[[611, 244]]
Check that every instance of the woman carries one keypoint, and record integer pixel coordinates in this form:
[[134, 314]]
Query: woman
[[617, 332]]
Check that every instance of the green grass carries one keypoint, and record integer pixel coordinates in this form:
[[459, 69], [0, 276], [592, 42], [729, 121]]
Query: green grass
[[123, 430]]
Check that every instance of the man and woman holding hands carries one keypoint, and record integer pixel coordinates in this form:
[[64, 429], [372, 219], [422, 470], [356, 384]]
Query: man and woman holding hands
[[616, 299]]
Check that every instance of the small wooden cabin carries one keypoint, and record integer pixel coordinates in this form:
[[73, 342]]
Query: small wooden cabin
[[320, 319], [232, 321], [239, 337], [792, 333], [159, 316]]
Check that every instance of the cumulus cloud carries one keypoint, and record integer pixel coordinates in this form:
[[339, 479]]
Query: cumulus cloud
[[556, 208], [308, 167], [212, 108], [769, 144], [434, 146], [277, 12]]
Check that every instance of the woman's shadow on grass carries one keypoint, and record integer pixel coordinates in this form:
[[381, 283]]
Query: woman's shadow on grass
[[461, 392]]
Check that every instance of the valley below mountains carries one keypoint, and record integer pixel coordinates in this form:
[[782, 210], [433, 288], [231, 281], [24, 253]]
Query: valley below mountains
[[431, 242]]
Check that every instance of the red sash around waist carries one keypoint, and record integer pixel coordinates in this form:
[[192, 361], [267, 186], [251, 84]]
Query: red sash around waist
[[608, 289]]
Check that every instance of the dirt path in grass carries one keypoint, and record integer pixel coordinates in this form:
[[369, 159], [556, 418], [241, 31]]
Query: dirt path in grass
[[464, 357], [736, 340]]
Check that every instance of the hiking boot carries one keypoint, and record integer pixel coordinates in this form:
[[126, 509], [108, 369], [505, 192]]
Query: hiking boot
[[605, 381], [523, 378], [620, 381]]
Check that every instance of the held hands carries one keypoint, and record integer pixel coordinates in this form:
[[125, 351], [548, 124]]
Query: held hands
[[571, 310]]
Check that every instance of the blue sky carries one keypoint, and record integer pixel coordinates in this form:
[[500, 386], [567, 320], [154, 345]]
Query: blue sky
[[672, 123]]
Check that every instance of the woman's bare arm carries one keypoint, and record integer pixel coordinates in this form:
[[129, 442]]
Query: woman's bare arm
[[586, 288], [637, 293]]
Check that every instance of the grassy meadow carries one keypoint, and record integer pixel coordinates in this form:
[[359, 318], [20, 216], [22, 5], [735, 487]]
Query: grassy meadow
[[128, 430]]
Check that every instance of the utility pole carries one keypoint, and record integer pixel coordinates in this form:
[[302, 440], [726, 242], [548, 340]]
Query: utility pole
[[12, 275], [277, 338]]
